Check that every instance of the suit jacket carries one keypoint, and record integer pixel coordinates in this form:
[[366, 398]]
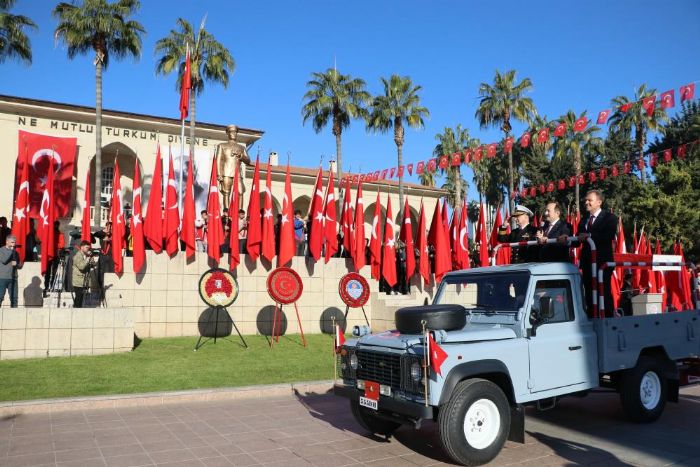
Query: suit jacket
[[553, 252], [522, 254], [603, 233]]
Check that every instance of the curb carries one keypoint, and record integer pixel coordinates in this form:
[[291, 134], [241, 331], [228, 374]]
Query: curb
[[13, 408]]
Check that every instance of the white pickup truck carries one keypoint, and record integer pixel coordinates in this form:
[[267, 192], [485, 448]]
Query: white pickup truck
[[514, 335]]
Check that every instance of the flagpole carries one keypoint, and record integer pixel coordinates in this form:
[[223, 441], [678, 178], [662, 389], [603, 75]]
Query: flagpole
[[335, 356], [425, 360]]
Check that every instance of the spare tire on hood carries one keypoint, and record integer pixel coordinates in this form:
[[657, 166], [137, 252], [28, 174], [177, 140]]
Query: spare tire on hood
[[445, 317]]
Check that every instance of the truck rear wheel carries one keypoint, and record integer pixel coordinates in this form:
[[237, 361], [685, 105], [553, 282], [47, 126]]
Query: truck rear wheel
[[643, 390], [475, 421], [369, 420]]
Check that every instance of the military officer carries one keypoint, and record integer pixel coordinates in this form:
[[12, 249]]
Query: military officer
[[524, 232]]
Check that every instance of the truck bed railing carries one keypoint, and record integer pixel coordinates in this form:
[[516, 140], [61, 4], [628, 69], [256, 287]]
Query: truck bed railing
[[633, 265], [594, 260]]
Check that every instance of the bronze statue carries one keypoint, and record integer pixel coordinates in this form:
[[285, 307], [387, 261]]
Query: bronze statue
[[229, 155]]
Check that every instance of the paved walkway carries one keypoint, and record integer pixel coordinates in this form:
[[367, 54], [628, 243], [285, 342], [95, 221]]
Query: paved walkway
[[317, 429]]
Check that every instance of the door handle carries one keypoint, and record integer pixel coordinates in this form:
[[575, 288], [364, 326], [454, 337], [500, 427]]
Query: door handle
[[576, 347]]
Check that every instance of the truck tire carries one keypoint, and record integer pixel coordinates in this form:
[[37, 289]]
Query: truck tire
[[643, 390], [474, 423], [368, 420], [446, 317]]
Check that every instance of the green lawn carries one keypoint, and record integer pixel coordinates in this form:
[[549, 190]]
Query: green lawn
[[170, 364]]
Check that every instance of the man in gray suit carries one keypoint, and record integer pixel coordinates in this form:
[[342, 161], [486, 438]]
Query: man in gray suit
[[8, 270]]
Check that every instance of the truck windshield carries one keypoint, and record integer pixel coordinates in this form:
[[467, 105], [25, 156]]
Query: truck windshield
[[485, 292]]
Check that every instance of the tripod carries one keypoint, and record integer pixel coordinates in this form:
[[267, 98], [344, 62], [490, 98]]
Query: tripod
[[216, 329]]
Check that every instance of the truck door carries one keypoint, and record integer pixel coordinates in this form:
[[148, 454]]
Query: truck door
[[559, 350]]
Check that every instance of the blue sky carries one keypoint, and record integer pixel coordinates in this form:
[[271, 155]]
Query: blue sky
[[578, 54]]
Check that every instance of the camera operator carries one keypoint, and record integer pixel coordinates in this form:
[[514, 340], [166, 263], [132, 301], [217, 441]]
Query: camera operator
[[8, 270], [82, 263]]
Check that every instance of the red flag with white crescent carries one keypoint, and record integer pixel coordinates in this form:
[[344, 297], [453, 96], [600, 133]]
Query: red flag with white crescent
[[668, 99], [330, 228], [359, 233], [287, 243], [153, 222], [463, 239], [47, 217], [375, 242], [139, 247], [316, 213], [423, 260], [525, 140], [20, 215], [215, 230], [339, 338], [185, 87], [189, 213], [543, 135], [39, 149], [687, 92], [268, 223], [389, 256], [254, 241], [406, 237], [603, 117], [436, 354], [172, 212], [648, 104], [346, 218], [118, 222], [560, 129], [580, 124], [85, 225]]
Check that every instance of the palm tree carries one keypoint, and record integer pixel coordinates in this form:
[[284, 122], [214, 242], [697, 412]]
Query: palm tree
[[502, 101], [427, 178], [335, 97], [451, 142], [13, 39], [400, 104], [104, 28], [574, 144], [637, 117], [209, 60]]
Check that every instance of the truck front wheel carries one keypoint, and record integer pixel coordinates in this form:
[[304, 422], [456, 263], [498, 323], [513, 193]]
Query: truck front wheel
[[643, 390], [475, 421], [371, 422]]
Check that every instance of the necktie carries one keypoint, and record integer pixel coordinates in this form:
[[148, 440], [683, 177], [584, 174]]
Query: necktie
[[590, 223]]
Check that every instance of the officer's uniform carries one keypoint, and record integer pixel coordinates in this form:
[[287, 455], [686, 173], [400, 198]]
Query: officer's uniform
[[520, 234]]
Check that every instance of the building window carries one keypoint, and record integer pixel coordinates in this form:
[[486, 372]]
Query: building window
[[107, 179]]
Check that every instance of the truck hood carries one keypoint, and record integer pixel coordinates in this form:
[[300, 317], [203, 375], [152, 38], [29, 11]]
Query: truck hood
[[396, 340]]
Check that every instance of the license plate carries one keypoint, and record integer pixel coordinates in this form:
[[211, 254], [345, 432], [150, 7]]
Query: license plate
[[369, 403]]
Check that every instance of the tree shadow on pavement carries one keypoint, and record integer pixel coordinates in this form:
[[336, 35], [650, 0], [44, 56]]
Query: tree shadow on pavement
[[577, 453]]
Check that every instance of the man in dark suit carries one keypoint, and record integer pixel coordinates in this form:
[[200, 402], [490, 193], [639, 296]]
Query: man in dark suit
[[601, 226], [555, 227], [524, 232]]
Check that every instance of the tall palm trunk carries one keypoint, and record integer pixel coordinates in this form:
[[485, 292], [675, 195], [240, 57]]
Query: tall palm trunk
[[640, 147], [577, 167], [339, 156], [399, 139], [458, 186], [98, 140]]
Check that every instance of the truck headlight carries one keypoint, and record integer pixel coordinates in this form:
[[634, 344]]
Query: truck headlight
[[416, 372], [353, 361]]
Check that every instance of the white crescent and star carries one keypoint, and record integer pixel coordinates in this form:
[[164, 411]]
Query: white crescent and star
[[47, 153], [375, 222], [462, 235]]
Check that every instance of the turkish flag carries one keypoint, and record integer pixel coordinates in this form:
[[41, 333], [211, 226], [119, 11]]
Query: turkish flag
[[462, 244], [603, 117], [406, 237], [392, 171], [478, 153], [389, 256], [652, 160], [39, 149], [188, 213], [423, 261], [603, 174], [410, 169], [139, 247], [254, 240], [153, 222], [268, 223], [185, 87], [20, 215], [668, 99], [431, 165], [359, 233], [172, 213], [508, 145], [626, 107], [648, 104], [346, 219], [383, 175], [443, 162], [525, 140], [687, 92], [339, 339], [543, 135], [47, 217], [215, 231], [491, 150], [580, 124], [560, 129], [467, 156], [681, 151], [436, 354], [614, 171], [434, 229], [456, 159], [660, 278], [445, 224], [287, 243], [234, 246], [668, 155], [561, 185], [316, 212], [443, 262], [627, 167], [420, 167], [375, 242], [399, 171], [330, 229], [118, 222], [85, 226], [454, 237], [481, 238], [550, 187]]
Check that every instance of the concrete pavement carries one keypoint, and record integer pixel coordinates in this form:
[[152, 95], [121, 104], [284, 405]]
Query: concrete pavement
[[318, 429]]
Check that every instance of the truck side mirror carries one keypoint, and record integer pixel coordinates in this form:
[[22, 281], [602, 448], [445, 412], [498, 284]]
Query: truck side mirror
[[546, 309]]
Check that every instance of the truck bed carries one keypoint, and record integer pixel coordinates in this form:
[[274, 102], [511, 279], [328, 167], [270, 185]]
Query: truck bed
[[620, 340]]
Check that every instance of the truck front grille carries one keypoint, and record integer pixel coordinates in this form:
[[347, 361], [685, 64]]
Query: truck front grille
[[380, 367]]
